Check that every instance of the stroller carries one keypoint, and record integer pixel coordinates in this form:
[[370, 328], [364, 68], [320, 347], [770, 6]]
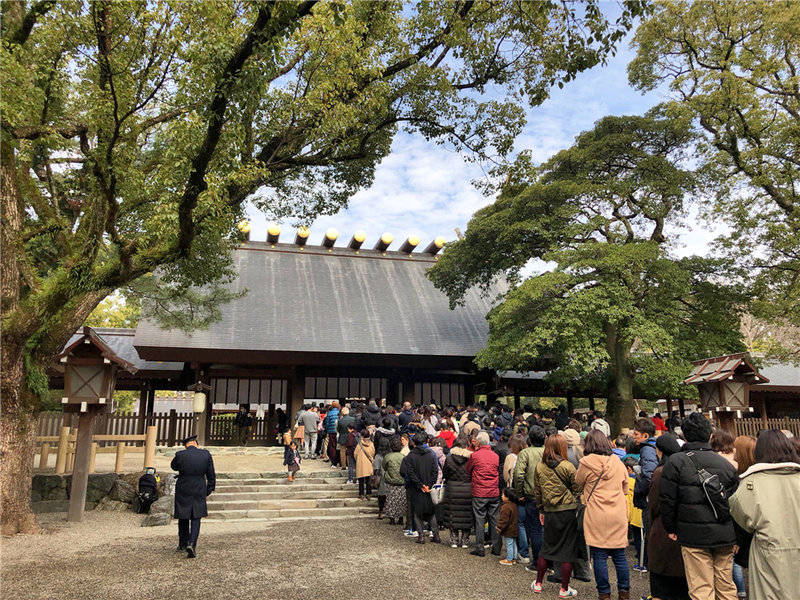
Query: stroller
[[148, 491]]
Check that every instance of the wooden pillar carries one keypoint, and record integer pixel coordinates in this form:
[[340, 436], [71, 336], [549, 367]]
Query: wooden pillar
[[172, 430], [392, 391], [118, 465], [517, 400], [151, 402], [44, 452], [63, 450], [92, 457], [570, 404], [80, 472], [150, 447], [297, 392], [764, 412], [142, 409], [591, 403], [469, 393], [682, 407], [669, 408], [409, 393]]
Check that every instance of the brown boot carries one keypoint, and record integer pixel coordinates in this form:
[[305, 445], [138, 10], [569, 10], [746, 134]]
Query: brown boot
[[624, 595], [604, 596]]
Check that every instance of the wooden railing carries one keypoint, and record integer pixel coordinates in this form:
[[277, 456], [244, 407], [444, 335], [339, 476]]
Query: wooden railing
[[171, 427], [753, 426], [65, 448]]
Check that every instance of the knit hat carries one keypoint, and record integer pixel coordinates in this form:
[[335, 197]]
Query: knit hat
[[668, 444], [573, 437]]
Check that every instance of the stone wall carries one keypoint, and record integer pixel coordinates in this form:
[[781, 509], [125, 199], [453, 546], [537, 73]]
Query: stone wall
[[104, 491]]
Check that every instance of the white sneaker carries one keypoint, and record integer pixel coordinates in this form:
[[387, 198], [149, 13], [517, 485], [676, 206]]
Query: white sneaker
[[524, 561], [568, 593], [536, 587]]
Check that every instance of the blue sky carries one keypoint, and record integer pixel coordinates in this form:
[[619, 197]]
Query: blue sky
[[424, 189]]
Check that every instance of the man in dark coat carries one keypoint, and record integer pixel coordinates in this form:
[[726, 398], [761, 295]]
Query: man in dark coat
[[707, 539], [405, 417], [420, 471], [196, 480]]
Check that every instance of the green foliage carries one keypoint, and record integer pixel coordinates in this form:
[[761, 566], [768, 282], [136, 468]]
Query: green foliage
[[116, 311], [732, 68], [137, 130], [617, 307]]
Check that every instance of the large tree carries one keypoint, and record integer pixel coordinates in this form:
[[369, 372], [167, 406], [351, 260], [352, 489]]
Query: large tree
[[732, 66], [134, 132], [613, 303]]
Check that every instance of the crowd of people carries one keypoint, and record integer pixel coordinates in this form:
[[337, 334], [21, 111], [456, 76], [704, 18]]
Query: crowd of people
[[557, 494]]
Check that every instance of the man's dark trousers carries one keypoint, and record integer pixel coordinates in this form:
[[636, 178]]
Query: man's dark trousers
[[486, 509], [533, 527], [188, 530]]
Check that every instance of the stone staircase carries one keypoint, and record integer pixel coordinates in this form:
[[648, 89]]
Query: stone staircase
[[269, 496]]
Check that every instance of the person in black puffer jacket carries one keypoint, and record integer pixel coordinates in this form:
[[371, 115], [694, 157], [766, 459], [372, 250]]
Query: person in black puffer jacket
[[458, 492], [372, 416], [688, 517]]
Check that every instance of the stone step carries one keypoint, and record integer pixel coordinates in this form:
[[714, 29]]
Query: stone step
[[281, 513], [321, 473], [283, 503], [290, 519], [319, 483], [313, 494]]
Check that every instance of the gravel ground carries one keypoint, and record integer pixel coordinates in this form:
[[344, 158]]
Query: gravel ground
[[109, 557]]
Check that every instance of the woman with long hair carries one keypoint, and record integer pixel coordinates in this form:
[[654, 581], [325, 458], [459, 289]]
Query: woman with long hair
[[604, 481], [743, 448], [556, 493]]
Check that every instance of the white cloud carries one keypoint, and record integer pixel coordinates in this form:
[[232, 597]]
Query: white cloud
[[425, 189]]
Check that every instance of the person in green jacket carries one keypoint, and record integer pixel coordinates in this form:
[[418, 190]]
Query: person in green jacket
[[395, 484], [524, 473], [556, 495]]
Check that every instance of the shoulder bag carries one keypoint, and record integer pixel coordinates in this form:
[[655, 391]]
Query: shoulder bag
[[579, 513]]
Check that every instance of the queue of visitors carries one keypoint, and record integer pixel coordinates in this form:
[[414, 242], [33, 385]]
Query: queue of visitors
[[695, 507]]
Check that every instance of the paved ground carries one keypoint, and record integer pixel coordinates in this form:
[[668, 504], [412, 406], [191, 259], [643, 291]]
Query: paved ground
[[109, 557]]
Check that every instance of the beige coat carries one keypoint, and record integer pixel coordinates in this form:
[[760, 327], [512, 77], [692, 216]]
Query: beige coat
[[605, 522], [767, 504], [364, 454]]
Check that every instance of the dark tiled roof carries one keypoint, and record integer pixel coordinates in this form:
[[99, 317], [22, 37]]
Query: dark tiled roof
[[120, 340], [342, 301], [781, 374]]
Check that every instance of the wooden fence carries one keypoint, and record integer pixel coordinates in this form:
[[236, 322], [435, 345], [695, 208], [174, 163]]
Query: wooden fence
[[753, 426], [171, 427], [224, 430]]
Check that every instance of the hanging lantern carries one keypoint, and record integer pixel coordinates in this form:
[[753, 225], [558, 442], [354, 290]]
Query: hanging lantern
[[199, 403]]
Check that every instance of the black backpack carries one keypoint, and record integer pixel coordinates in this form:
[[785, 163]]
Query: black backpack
[[714, 490]]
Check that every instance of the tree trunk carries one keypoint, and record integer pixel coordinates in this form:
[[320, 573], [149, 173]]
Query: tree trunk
[[17, 438], [620, 410]]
